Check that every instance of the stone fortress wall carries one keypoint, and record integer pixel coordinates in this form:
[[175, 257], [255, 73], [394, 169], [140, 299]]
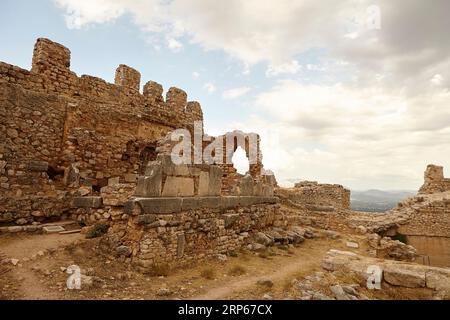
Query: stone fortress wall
[[66, 136], [316, 196], [83, 149], [179, 213], [434, 180]]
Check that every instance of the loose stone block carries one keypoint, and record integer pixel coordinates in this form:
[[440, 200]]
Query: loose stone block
[[168, 167], [230, 219], [258, 189], [246, 185], [87, 202], [130, 177], [53, 229], [248, 201], [181, 170], [127, 77], [178, 187], [71, 176], [113, 181], [191, 203], [150, 184], [229, 202], [215, 181], [210, 202], [203, 186], [267, 190], [405, 277], [146, 218], [38, 166], [160, 205], [181, 242]]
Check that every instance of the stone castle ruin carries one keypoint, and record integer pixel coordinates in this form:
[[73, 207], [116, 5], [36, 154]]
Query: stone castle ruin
[[83, 149], [434, 180]]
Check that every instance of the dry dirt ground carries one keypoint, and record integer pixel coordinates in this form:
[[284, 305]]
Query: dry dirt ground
[[40, 272]]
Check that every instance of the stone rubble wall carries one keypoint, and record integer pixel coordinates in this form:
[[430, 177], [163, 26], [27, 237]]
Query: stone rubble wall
[[434, 180], [215, 226], [177, 213], [430, 219], [53, 120], [317, 197]]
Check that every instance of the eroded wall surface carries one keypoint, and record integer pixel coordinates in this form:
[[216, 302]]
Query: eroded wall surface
[[51, 120]]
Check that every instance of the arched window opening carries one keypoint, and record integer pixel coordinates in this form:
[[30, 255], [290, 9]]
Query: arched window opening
[[240, 161]]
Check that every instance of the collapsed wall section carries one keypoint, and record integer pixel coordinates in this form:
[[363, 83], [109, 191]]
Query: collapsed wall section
[[317, 197], [434, 180]]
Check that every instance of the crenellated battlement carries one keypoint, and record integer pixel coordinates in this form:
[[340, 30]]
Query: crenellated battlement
[[434, 180], [50, 73], [49, 56], [61, 124]]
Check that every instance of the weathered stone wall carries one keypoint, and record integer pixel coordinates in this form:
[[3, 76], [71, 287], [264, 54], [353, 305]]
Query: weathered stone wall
[[199, 229], [434, 180], [432, 219], [317, 197], [394, 273], [433, 251], [53, 120], [176, 229]]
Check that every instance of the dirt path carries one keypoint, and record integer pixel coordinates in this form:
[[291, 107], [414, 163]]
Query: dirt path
[[24, 245], [307, 259], [31, 287], [237, 286]]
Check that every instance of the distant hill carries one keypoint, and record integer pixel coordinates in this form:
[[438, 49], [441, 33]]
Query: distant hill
[[378, 200]]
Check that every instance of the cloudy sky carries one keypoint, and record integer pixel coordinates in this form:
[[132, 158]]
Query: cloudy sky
[[353, 92]]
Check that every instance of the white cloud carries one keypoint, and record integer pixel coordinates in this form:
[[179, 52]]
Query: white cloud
[[235, 92], [291, 67], [174, 45], [195, 75], [437, 79], [411, 42], [360, 137], [246, 70], [210, 87]]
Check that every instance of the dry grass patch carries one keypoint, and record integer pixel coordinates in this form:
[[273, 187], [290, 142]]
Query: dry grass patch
[[237, 270], [159, 269], [208, 273]]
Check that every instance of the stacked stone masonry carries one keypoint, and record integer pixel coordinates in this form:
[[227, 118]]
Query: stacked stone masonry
[[434, 180], [87, 150], [68, 136], [316, 196]]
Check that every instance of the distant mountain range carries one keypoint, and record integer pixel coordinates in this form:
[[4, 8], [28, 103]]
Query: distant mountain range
[[378, 200]]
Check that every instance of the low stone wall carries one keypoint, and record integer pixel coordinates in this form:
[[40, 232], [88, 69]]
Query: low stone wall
[[395, 273], [434, 180], [317, 197], [431, 219], [180, 230]]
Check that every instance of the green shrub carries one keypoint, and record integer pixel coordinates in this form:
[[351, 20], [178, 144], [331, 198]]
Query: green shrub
[[97, 230]]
